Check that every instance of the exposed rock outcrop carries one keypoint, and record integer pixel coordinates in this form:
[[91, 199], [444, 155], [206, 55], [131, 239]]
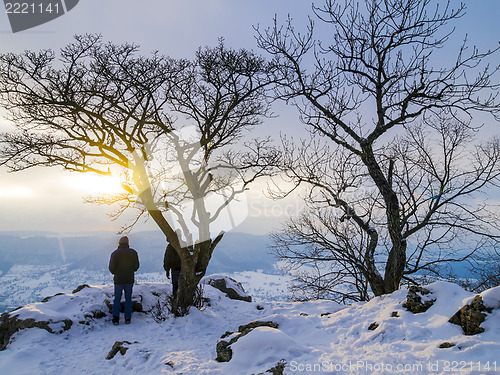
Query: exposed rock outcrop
[[418, 300], [118, 347], [80, 287], [47, 299], [246, 328], [471, 316], [10, 324], [446, 345], [276, 370], [96, 314], [223, 348], [232, 288], [224, 351]]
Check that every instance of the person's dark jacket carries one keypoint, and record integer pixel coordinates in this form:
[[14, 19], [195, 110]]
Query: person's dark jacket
[[123, 263], [171, 260]]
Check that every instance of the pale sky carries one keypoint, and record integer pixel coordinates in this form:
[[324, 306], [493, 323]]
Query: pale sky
[[51, 199]]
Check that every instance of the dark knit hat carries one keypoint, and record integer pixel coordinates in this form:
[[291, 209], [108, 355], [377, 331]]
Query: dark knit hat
[[123, 241]]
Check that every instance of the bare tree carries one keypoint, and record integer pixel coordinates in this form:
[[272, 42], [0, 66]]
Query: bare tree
[[484, 273], [375, 95], [102, 109]]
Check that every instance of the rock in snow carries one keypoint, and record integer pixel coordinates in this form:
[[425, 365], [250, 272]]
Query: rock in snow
[[418, 300], [314, 337], [470, 316], [232, 288], [223, 348]]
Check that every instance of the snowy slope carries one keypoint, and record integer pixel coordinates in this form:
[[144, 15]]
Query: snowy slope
[[317, 337]]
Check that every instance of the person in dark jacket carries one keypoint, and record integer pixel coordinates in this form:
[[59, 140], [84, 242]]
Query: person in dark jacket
[[171, 261], [122, 264]]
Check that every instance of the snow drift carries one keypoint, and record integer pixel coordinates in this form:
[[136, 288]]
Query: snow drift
[[315, 337]]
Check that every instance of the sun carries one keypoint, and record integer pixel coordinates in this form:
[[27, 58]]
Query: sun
[[94, 184]]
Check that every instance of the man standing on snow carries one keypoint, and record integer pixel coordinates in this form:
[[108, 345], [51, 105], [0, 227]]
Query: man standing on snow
[[122, 264], [171, 261]]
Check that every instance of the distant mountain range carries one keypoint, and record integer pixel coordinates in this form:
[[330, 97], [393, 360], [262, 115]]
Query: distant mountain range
[[236, 252]]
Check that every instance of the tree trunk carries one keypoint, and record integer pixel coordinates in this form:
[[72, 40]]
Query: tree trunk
[[194, 263], [395, 266], [188, 282], [194, 258], [396, 259], [376, 281]]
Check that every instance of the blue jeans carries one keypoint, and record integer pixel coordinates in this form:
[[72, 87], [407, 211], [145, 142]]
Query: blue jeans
[[175, 282], [119, 288]]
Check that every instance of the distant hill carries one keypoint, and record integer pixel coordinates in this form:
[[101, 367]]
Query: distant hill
[[236, 252]]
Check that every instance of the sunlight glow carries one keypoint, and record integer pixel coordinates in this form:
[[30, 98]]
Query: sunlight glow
[[94, 184], [16, 192]]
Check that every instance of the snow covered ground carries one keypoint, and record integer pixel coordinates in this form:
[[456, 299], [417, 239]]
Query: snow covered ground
[[24, 284], [317, 337], [262, 286]]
